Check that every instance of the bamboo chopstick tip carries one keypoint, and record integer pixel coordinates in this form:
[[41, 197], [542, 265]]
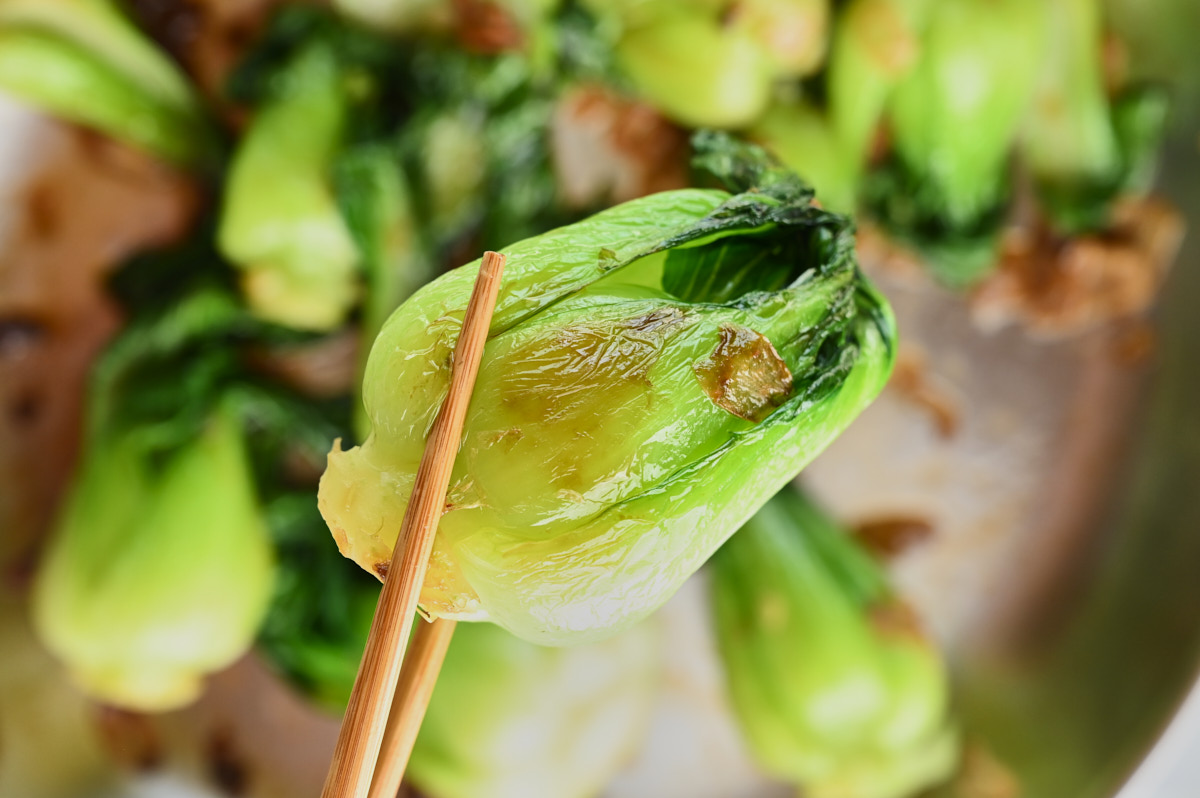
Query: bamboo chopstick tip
[[492, 261]]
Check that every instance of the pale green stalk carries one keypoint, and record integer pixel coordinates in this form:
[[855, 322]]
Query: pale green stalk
[[956, 114], [696, 71], [509, 719], [280, 223], [830, 694], [160, 568], [876, 43], [1068, 135]]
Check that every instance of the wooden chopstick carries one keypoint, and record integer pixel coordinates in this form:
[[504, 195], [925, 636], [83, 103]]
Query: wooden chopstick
[[417, 679], [366, 715]]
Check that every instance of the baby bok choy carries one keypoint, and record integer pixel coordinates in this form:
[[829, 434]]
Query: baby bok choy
[[834, 684], [280, 223], [954, 119], [161, 566], [653, 375], [160, 570], [1083, 146], [509, 719]]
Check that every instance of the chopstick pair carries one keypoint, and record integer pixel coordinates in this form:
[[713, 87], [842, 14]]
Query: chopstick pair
[[371, 723]]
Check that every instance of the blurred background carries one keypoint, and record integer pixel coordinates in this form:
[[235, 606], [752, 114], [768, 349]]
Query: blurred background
[[211, 206]]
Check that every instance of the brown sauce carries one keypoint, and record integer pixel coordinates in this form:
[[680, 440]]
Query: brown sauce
[[89, 207], [608, 149], [206, 37], [890, 536], [1054, 287], [912, 379]]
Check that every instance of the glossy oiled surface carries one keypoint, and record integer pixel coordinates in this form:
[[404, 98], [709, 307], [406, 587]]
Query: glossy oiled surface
[[631, 411]]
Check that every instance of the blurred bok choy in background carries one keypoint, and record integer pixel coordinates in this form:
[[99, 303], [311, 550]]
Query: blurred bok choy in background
[[835, 685], [509, 719], [85, 61]]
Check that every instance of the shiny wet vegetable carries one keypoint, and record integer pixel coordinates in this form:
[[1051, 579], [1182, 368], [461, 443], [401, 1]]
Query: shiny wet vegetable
[[653, 374]]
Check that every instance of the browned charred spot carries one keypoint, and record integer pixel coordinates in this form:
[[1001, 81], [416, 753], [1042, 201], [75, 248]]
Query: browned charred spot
[[340, 538], [226, 768], [912, 379], [228, 30], [173, 24], [654, 145], [1056, 286], [117, 160], [92, 145], [381, 569], [208, 38], [130, 738], [461, 494], [1134, 344], [654, 321], [486, 28], [507, 437], [240, 36], [896, 619], [744, 375]]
